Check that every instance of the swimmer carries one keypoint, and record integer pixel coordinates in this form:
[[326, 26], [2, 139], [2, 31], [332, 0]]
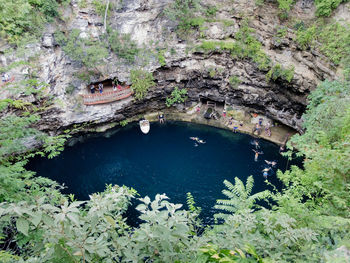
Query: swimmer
[[272, 163], [256, 143], [256, 155], [265, 172]]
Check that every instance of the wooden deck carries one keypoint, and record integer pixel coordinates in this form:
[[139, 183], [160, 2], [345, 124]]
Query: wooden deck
[[107, 96], [7, 82]]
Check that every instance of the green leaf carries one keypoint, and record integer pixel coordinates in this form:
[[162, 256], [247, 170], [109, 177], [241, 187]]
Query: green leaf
[[36, 218], [22, 226]]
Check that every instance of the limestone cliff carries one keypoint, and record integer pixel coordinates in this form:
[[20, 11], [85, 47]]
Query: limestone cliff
[[205, 74]]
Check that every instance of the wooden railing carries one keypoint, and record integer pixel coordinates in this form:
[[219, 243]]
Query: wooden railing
[[10, 80], [107, 96]]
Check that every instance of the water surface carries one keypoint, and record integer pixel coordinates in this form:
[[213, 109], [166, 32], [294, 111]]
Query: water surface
[[163, 161]]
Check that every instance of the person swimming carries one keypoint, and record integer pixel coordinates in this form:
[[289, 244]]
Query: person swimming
[[272, 163], [197, 140], [256, 155], [256, 144], [266, 172]]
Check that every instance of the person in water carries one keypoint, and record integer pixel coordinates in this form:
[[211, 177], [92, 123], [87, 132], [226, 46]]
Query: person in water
[[256, 155], [256, 144], [197, 140], [272, 163], [161, 118], [266, 172]]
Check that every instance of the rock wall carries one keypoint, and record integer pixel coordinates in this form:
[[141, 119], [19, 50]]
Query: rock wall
[[185, 67]]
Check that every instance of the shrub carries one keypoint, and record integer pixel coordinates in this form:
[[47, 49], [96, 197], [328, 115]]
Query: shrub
[[88, 52], [325, 7], [141, 82], [70, 89], [19, 18], [234, 81], [161, 58], [211, 11], [277, 71], [212, 72], [123, 123], [183, 12], [177, 96], [305, 37], [335, 39], [123, 46]]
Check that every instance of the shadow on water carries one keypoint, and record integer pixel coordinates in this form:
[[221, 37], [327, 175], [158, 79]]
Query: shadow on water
[[163, 161]]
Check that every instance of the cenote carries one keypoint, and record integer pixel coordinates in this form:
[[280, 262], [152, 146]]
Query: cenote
[[164, 161]]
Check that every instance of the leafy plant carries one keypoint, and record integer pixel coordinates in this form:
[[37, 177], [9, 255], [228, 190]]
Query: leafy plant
[[177, 96], [277, 71], [123, 46], [305, 37], [141, 82], [240, 197], [211, 11], [325, 7], [182, 11], [87, 52], [123, 123], [234, 81]]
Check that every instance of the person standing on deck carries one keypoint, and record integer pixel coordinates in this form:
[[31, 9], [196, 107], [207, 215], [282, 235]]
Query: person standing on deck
[[100, 87], [5, 77], [92, 89]]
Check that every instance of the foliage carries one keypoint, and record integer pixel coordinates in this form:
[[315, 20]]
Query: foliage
[[335, 39], [161, 58], [123, 123], [325, 7], [141, 82], [177, 96], [25, 17], [234, 81], [215, 254], [305, 37], [211, 11], [183, 12], [285, 5], [68, 232], [332, 39], [88, 52], [277, 71], [318, 195], [100, 6], [276, 236], [123, 46], [244, 46], [239, 197]]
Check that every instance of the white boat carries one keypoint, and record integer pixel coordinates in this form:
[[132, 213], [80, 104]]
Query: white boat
[[144, 126]]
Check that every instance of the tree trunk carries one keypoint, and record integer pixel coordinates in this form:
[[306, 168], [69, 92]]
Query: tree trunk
[[105, 20]]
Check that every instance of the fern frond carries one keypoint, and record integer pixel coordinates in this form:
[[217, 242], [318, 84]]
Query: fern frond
[[249, 185], [221, 216], [239, 185], [229, 194]]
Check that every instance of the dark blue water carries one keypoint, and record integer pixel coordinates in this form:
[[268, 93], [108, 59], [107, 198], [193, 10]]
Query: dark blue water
[[164, 161]]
